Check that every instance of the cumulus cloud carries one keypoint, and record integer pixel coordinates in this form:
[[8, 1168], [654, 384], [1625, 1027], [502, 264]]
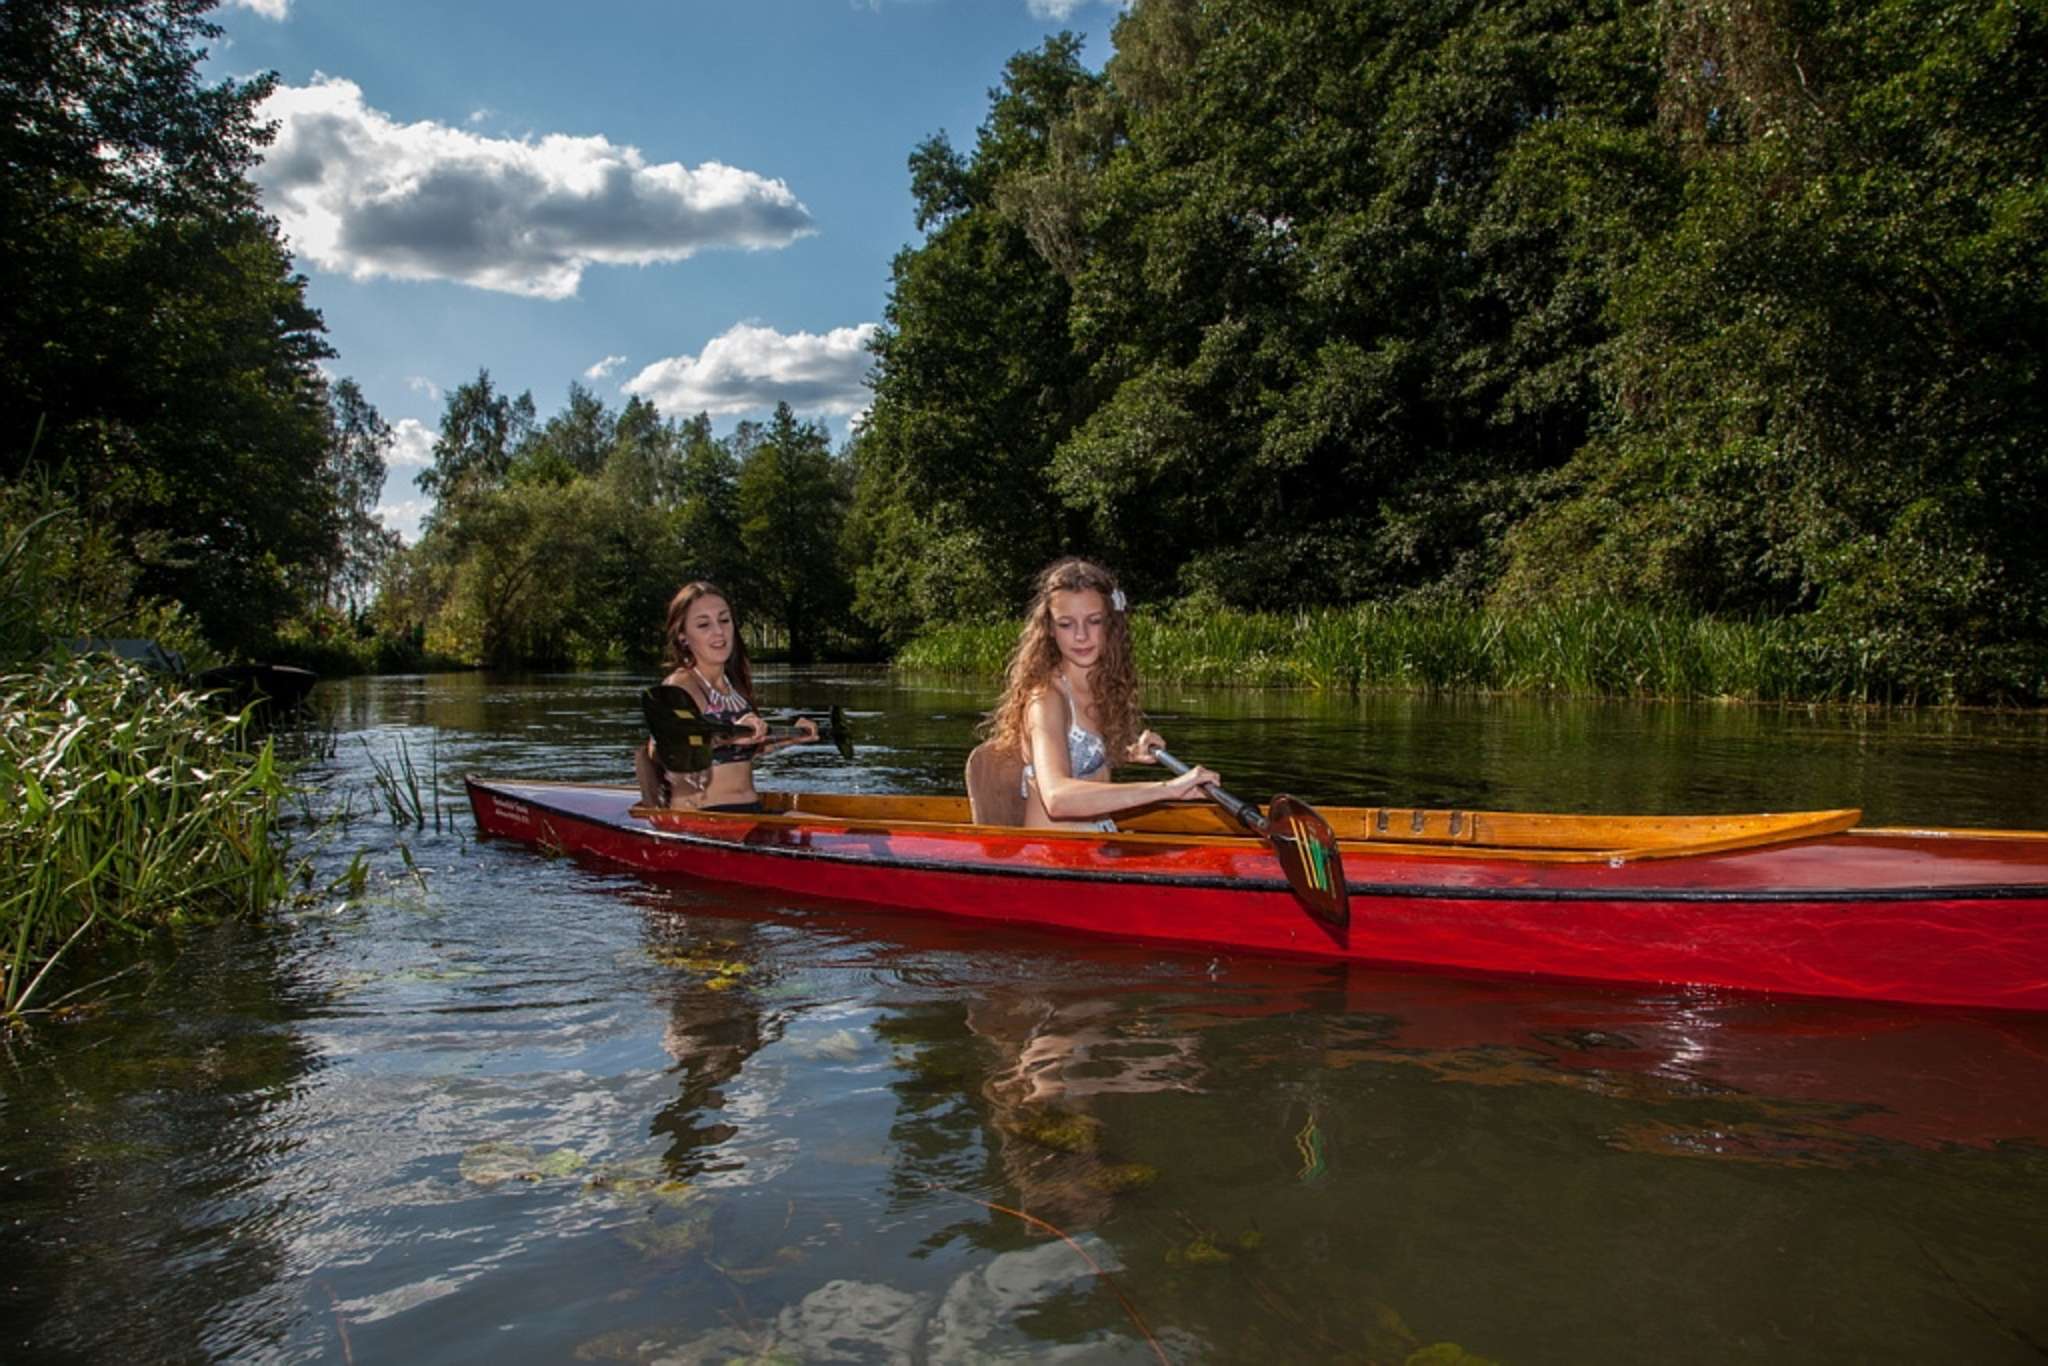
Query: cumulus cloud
[[603, 368], [362, 194], [750, 367], [420, 384], [405, 517], [1063, 9], [412, 446], [269, 9]]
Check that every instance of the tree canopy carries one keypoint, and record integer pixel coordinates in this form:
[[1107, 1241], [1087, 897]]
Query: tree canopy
[[1718, 309], [158, 359]]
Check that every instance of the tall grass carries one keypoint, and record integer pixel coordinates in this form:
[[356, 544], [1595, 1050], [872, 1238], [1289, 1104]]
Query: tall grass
[[1590, 649], [126, 804]]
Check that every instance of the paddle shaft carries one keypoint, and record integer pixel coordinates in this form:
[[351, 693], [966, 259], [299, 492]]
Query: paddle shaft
[[1242, 811]]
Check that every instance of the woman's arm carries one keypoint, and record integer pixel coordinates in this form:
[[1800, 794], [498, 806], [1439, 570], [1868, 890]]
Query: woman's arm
[[1068, 798]]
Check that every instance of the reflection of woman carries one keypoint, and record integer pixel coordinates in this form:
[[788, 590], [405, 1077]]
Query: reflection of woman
[[1057, 1054], [1070, 706], [710, 662]]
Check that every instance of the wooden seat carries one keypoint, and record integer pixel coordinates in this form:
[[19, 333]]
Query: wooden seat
[[995, 785]]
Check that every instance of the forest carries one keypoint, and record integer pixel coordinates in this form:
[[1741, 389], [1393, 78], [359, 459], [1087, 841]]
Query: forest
[[1725, 314]]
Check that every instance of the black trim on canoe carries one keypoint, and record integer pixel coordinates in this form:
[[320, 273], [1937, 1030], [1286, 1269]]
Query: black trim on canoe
[[1388, 890]]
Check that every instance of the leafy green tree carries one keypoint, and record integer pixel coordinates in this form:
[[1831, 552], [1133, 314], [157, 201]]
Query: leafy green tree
[[150, 322], [482, 430], [792, 498], [975, 382], [359, 440]]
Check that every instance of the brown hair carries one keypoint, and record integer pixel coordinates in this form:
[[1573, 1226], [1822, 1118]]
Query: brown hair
[[738, 672], [1114, 680]]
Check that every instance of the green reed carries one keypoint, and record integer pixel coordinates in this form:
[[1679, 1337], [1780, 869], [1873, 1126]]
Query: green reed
[[409, 798], [126, 804], [1587, 649]]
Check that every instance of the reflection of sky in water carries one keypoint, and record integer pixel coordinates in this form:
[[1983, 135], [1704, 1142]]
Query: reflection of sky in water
[[537, 1108]]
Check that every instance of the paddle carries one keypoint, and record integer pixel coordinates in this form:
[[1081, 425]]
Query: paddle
[[683, 738], [1301, 839]]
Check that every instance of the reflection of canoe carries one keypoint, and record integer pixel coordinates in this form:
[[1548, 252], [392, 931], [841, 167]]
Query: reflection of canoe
[[1796, 903]]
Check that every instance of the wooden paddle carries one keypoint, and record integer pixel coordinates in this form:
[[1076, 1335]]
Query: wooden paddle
[[684, 739], [1303, 842]]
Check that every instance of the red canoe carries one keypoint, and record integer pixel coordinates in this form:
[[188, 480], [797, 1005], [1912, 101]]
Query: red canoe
[[1798, 903]]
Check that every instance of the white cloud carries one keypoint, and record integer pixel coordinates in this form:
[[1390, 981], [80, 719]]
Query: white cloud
[[361, 194], [405, 518], [750, 367], [420, 384], [412, 446], [269, 9], [603, 368], [1064, 9]]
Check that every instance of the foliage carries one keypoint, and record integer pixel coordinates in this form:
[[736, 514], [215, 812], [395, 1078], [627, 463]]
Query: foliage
[[64, 578], [151, 327], [1574, 648], [791, 498], [561, 541], [125, 805], [1726, 312]]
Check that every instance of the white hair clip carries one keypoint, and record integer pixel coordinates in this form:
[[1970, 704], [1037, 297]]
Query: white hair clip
[[1117, 599]]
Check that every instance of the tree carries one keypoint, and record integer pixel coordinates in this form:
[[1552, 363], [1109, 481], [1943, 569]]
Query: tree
[[357, 445], [150, 323], [481, 431], [791, 505]]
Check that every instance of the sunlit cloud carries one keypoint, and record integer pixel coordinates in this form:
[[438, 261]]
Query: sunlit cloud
[[412, 445], [420, 384], [603, 368], [363, 195], [750, 367], [269, 9], [1066, 9]]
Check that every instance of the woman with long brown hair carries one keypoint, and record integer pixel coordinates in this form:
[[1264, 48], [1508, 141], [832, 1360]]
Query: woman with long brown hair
[[709, 660], [1070, 705]]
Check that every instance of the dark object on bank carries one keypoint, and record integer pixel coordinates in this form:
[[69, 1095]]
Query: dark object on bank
[[274, 687]]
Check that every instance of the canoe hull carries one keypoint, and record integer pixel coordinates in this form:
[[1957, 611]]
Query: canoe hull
[[1930, 919]]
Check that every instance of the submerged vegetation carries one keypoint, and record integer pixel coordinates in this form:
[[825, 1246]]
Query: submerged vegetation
[[1574, 648]]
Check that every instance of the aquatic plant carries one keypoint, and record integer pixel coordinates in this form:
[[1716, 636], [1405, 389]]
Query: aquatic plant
[[126, 804]]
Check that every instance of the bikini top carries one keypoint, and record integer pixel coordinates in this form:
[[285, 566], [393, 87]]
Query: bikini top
[[1086, 753], [728, 707]]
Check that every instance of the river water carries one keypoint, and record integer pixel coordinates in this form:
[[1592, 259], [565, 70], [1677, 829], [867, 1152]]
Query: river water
[[476, 1104]]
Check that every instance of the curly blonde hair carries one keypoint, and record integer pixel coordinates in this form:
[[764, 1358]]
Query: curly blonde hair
[[1114, 680]]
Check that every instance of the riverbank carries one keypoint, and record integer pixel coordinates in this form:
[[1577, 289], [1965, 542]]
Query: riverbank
[[1573, 649]]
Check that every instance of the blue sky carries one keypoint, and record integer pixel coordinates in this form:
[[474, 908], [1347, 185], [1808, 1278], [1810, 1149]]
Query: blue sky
[[693, 201]]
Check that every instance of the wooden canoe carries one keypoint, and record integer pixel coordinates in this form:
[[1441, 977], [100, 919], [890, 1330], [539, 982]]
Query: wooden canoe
[[1799, 903]]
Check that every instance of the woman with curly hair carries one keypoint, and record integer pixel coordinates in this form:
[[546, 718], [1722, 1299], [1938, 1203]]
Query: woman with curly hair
[[710, 662], [1070, 706]]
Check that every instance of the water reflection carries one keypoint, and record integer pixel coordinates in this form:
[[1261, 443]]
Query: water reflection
[[498, 1103]]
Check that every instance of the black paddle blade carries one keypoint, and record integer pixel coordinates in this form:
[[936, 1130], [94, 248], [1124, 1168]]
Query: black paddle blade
[[682, 738], [1307, 849], [840, 733]]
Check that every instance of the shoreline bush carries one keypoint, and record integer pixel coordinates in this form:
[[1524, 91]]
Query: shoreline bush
[[1580, 649], [126, 804]]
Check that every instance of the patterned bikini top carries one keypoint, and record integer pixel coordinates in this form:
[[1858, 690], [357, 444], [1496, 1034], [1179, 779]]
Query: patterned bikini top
[[1086, 753], [728, 707]]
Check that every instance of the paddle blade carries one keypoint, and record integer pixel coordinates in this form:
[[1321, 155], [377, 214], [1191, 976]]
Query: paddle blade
[[840, 733], [1307, 849], [682, 738]]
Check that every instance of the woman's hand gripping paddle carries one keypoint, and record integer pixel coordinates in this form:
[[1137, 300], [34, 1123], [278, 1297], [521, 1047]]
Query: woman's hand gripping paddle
[[1303, 842], [683, 739]]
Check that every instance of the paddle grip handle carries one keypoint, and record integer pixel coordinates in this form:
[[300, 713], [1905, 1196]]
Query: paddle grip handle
[[1241, 811]]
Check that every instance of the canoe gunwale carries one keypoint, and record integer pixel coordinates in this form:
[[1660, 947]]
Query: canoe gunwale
[[1252, 885], [1783, 828]]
